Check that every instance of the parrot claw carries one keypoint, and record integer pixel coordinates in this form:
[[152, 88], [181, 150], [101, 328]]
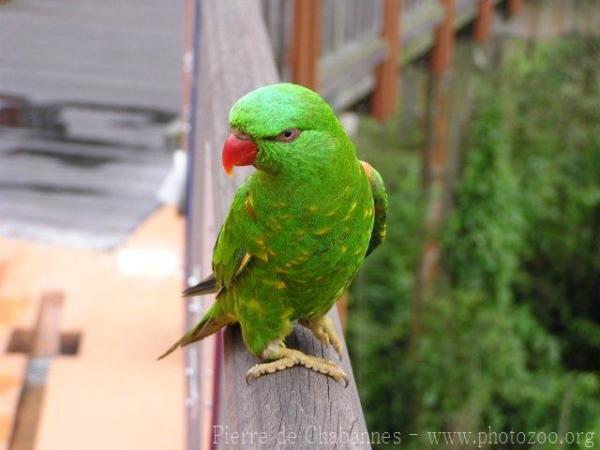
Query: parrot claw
[[324, 331], [249, 376], [284, 358]]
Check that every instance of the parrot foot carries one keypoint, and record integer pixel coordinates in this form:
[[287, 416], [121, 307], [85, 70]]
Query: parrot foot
[[322, 328], [283, 358]]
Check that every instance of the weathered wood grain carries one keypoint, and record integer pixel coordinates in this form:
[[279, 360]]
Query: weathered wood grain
[[234, 57], [296, 408]]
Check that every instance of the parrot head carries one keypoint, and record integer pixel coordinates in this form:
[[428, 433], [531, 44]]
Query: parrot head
[[281, 128]]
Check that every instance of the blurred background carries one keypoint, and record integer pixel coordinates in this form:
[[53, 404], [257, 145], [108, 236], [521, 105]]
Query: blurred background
[[480, 312]]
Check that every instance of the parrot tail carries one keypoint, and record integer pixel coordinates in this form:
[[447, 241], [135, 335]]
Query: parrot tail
[[213, 321], [206, 286]]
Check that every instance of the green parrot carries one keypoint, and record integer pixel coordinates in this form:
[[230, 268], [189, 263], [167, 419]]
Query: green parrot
[[297, 231]]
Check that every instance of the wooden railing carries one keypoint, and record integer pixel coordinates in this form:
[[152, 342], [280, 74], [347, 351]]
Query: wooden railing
[[234, 56], [420, 18], [351, 48], [350, 40]]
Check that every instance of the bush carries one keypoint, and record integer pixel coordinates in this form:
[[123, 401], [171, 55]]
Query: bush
[[511, 337]]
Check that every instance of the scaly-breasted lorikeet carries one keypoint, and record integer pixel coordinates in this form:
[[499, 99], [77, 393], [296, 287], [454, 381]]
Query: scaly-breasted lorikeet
[[298, 228]]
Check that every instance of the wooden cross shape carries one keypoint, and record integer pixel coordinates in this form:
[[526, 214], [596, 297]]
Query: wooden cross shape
[[41, 344]]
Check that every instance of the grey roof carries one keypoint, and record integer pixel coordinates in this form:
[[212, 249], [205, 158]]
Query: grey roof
[[88, 188], [124, 53]]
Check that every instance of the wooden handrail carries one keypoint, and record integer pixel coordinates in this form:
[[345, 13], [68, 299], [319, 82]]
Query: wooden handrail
[[306, 42], [234, 57], [483, 22], [386, 73]]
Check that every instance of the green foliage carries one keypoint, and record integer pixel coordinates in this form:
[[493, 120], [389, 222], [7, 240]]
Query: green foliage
[[560, 186], [485, 232], [511, 336], [380, 306]]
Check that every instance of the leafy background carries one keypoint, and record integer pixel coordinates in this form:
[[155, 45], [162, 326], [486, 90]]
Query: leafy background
[[510, 336]]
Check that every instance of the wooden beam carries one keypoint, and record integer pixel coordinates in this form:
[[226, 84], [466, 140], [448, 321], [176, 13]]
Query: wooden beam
[[435, 178], [435, 166], [187, 69], [46, 338], [443, 47], [483, 21], [342, 308], [45, 345], [306, 43], [386, 74], [278, 403], [514, 7], [12, 376]]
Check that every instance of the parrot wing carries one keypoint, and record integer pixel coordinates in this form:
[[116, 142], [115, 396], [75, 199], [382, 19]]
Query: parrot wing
[[230, 257], [380, 205]]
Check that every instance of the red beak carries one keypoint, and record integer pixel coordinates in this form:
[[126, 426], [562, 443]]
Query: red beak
[[238, 151]]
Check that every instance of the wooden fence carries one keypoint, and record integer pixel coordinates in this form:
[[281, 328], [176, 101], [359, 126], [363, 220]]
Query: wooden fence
[[351, 41]]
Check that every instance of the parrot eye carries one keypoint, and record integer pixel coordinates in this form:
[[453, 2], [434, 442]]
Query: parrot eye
[[289, 135]]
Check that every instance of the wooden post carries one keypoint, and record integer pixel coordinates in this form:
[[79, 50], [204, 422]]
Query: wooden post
[[514, 7], [187, 69], [483, 21], [444, 40], [306, 43], [197, 359], [435, 176], [342, 308], [386, 73], [44, 346], [435, 171]]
